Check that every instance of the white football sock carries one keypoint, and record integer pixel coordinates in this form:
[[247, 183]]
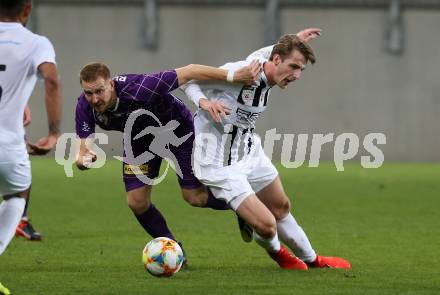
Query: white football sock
[[293, 236], [272, 245], [10, 215]]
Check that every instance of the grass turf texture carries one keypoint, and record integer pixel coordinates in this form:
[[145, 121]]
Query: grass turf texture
[[385, 221]]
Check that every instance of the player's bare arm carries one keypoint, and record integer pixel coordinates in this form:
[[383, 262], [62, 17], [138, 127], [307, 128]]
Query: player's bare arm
[[246, 75], [217, 109], [309, 34], [53, 108]]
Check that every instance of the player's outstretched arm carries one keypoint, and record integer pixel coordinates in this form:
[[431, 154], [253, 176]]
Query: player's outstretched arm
[[53, 107], [306, 35], [85, 157], [246, 75], [309, 34]]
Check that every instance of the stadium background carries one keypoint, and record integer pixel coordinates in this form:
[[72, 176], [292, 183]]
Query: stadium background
[[356, 85]]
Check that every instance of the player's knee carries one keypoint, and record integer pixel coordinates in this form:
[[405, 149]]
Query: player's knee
[[138, 205], [281, 209], [266, 228], [194, 199]]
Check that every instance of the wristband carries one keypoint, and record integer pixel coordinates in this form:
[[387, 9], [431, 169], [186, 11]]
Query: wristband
[[230, 76]]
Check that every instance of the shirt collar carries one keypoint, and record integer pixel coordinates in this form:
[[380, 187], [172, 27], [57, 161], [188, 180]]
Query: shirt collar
[[116, 105]]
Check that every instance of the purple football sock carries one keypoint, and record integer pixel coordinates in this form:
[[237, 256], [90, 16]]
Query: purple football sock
[[154, 223], [215, 203]]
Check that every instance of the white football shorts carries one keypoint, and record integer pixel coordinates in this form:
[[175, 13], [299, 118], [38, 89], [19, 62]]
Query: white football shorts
[[15, 171], [236, 182]]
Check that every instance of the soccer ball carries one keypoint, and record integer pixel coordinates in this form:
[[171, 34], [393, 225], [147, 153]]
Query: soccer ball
[[162, 257]]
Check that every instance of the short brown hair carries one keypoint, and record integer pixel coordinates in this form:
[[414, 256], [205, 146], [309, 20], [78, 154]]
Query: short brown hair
[[93, 71], [288, 43]]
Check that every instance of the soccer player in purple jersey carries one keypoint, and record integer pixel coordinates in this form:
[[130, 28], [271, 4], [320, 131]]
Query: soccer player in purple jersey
[[108, 103]]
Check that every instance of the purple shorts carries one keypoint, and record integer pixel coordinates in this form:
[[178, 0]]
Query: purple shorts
[[151, 169]]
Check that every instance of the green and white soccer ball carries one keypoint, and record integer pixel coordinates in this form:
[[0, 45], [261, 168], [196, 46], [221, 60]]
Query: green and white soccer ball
[[162, 257]]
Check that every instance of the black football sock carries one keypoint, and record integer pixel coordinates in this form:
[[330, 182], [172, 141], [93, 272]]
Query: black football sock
[[154, 223], [215, 203]]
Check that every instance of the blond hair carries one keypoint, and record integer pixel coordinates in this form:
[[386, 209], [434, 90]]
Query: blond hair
[[93, 71], [288, 43]]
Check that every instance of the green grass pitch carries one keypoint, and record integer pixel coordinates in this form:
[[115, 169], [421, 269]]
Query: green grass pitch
[[385, 221]]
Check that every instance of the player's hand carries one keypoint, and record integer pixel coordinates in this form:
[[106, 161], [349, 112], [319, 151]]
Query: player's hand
[[43, 145], [86, 161], [27, 116], [309, 34], [248, 75], [216, 109]]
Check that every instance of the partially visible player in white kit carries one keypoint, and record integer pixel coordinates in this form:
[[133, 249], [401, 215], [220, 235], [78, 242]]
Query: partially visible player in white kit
[[228, 156], [23, 57]]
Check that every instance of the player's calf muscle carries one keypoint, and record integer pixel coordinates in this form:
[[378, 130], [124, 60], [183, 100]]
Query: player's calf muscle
[[258, 216]]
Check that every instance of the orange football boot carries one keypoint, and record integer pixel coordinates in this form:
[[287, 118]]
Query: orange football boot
[[26, 230], [288, 261], [329, 262]]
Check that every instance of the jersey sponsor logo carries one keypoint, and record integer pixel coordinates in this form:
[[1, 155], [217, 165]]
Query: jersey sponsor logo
[[246, 117], [131, 169], [247, 95]]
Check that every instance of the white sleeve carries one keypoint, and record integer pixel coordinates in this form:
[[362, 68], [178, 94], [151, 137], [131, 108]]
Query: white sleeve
[[235, 65], [262, 53], [193, 91], [44, 53]]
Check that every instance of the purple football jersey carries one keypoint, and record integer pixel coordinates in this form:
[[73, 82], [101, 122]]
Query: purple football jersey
[[134, 91], [149, 92]]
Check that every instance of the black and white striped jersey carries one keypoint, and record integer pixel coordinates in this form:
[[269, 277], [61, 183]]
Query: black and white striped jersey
[[234, 135]]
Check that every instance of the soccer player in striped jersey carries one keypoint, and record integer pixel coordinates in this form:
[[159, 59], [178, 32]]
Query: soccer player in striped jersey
[[229, 159], [24, 57], [109, 103]]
